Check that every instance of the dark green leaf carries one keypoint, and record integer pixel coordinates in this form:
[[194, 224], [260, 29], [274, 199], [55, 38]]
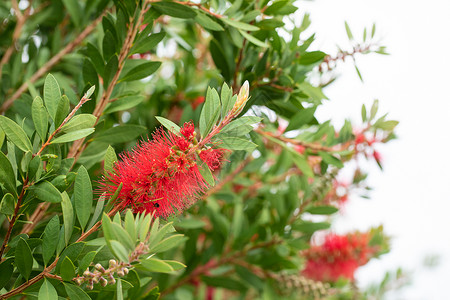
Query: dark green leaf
[[76, 293], [83, 196], [7, 205], [309, 58], [322, 210], [40, 118], [85, 261], [124, 103], [67, 269], [310, 227], [110, 70], [15, 134], [121, 134], [23, 258], [240, 25], [74, 9], [62, 110], [141, 71], [174, 9], [147, 44], [7, 177], [46, 191], [224, 282], [50, 239], [52, 95], [206, 174], [96, 58], [6, 271]]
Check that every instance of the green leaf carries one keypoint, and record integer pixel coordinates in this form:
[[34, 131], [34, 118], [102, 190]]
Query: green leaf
[[76, 293], [124, 103], [7, 177], [226, 98], [141, 71], [322, 210], [98, 211], [40, 118], [23, 258], [174, 9], [205, 171], [145, 226], [78, 122], [191, 224], [330, 159], [359, 73], [67, 211], [67, 269], [7, 205], [301, 162], [86, 261], [148, 43], [310, 227], [90, 91], [6, 271], [110, 159], [50, 239], [62, 111], [364, 113], [176, 265], [309, 58], [253, 40], [119, 289], [83, 196], [96, 58], [373, 110], [130, 225], [235, 143], [47, 192], [119, 251], [168, 243], [240, 25], [171, 126], [207, 22], [156, 265], [210, 112], [110, 70], [243, 121], [349, 32], [224, 282], [15, 134], [73, 136], [315, 93], [47, 291], [74, 10], [121, 134], [52, 95]]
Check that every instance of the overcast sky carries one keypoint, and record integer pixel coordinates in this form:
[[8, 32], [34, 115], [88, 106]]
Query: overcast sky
[[411, 197]]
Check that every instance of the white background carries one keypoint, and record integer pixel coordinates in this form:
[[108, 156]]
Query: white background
[[411, 196]]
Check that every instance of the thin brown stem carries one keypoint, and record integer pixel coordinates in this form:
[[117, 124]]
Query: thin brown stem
[[78, 146], [53, 61], [13, 218]]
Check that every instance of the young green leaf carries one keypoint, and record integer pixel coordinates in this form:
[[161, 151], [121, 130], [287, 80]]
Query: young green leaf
[[147, 44], [210, 112], [207, 22], [240, 25], [171, 126], [110, 159], [235, 143], [168, 243], [119, 289], [76, 293], [83, 196], [68, 218], [73, 136], [156, 265], [119, 251], [62, 110], [253, 39], [7, 205], [349, 32], [81, 121]]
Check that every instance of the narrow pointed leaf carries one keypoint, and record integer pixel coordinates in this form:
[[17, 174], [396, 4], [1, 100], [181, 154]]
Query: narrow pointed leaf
[[83, 196], [15, 134], [52, 95], [47, 291], [23, 258], [40, 118]]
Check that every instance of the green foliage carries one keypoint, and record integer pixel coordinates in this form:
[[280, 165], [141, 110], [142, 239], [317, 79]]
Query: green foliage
[[114, 66]]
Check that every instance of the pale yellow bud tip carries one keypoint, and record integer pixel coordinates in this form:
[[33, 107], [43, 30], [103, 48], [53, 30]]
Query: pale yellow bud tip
[[241, 98]]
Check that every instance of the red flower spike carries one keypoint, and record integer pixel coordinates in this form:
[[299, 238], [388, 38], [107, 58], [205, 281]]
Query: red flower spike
[[339, 256], [187, 130], [212, 157], [159, 176]]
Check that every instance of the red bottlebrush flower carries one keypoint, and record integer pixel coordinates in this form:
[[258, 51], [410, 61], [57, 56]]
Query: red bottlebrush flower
[[212, 157], [188, 130], [360, 138], [377, 156], [300, 149], [159, 176], [339, 256]]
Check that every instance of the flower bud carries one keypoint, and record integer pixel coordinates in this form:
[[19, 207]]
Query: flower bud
[[103, 281], [112, 263], [120, 273], [125, 271], [241, 99]]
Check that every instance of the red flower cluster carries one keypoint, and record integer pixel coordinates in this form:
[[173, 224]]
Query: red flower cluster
[[160, 175], [339, 256]]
